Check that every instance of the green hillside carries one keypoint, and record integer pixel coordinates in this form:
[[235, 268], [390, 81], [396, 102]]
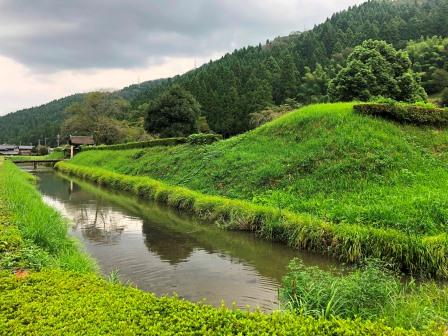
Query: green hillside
[[323, 159]]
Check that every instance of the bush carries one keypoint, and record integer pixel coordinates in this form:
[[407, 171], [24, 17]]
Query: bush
[[404, 113], [362, 293], [203, 139], [136, 145], [256, 119], [42, 150]]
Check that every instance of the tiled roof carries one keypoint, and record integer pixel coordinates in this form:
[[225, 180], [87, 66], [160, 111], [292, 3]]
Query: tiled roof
[[81, 140]]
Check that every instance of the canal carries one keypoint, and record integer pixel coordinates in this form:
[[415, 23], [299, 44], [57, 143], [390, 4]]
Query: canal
[[166, 252]]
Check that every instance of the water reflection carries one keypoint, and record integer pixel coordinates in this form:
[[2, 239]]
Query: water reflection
[[164, 252]]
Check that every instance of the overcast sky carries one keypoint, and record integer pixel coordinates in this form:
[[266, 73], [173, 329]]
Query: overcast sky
[[53, 48]]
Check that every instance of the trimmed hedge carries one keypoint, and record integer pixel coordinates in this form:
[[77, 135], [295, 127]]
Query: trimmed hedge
[[405, 113], [203, 139], [136, 145], [57, 303], [427, 256]]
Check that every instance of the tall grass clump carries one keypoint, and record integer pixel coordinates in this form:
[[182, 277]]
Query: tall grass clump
[[362, 293], [39, 225], [370, 291]]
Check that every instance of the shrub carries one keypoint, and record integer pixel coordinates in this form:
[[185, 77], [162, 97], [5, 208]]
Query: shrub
[[42, 150], [404, 113], [136, 145], [203, 139], [271, 113]]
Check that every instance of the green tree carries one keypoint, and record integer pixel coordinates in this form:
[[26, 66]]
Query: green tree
[[97, 115], [287, 84], [174, 113], [314, 86], [430, 59], [439, 80], [444, 97], [376, 68]]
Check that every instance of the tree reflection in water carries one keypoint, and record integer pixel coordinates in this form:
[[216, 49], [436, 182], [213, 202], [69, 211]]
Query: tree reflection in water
[[100, 225]]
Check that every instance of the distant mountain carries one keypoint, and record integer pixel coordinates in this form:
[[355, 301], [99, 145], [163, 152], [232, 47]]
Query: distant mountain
[[298, 66]]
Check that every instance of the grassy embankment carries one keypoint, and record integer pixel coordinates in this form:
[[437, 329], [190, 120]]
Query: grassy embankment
[[60, 294], [33, 235], [322, 178]]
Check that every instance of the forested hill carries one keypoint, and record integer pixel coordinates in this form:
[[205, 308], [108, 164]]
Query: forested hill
[[298, 66], [28, 125]]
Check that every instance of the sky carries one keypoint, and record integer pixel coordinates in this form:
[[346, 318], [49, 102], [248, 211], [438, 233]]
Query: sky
[[52, 48]]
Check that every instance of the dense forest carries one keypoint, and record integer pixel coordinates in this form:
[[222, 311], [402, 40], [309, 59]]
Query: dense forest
[[299, 66]]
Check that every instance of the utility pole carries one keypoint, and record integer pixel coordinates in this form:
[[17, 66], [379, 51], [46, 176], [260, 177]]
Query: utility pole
[[45, 141], [38, 143]]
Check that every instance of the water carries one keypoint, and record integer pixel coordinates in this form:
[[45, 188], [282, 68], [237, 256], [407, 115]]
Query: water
[[166, 252]]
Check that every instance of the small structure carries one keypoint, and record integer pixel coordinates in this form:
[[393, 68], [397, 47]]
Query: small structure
[[9, 150], [76, 141], [25, 150]]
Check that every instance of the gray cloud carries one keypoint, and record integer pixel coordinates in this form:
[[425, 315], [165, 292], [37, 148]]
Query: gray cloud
[[52, 35]]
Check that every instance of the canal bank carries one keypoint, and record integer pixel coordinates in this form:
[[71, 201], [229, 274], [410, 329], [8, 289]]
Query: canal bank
[[164, 251], [54, 301], [413, 254]]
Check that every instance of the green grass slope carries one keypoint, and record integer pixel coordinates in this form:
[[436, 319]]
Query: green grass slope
[[324, 160]]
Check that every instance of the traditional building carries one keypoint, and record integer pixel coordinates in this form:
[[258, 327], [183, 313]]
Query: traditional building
[[9, 150], [25, 150], [76, 141]]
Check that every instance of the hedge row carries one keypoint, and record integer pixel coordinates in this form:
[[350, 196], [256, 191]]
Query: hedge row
[[421, 255], [57, 303], [136, 145], [405, 113], [203, 139]]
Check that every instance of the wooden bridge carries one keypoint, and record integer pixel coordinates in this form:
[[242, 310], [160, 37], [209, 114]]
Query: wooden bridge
[[36, 162]]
